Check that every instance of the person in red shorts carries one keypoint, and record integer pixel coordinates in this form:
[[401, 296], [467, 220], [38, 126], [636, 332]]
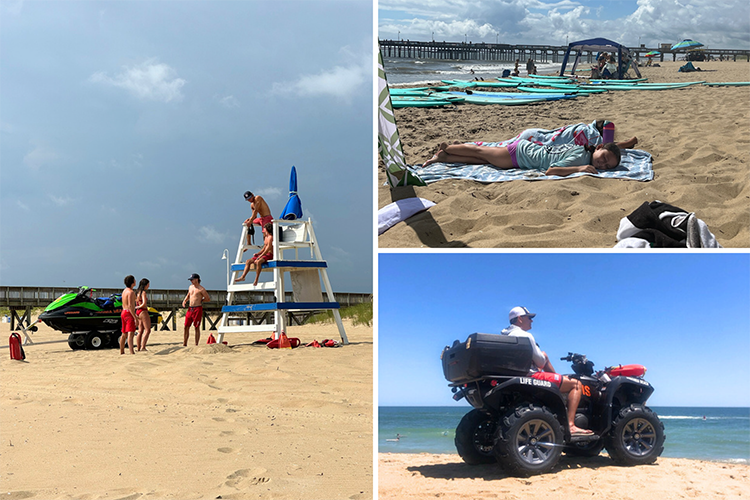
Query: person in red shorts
[[264, 255], [128, 315], [261, 213], [195, 297], [541, 368]]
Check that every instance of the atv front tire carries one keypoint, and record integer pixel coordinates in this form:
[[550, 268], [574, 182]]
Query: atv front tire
[[528, 441], [475, 436], [637, 436]]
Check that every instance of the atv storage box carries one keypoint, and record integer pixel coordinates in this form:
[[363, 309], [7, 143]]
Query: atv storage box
[[486, 354]]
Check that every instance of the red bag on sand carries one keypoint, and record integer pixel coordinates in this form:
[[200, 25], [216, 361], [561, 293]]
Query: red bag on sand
[[16, 350], [293, 342], [211, 339], [314, 343]]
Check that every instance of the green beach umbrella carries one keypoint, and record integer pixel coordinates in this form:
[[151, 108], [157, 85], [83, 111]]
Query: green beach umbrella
[[653, 53], [686, 45]]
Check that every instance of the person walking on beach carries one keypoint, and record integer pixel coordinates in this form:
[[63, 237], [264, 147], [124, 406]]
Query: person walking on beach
[[261, 213], [264, 255], [530, 67], [516, 71], [141, 310], [195, 297], [541, 368], [128, 315], [560, 160]]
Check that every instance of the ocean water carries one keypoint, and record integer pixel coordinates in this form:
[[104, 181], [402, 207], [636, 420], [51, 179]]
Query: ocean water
[[723, 436], [422, 71]]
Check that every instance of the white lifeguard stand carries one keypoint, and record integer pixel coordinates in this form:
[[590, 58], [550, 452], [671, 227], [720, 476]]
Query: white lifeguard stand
[[305, 274]]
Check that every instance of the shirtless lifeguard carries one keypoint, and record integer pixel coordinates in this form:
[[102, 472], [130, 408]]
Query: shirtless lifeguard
[[195, 297], [128, 315], [261, 213], [264, 255]]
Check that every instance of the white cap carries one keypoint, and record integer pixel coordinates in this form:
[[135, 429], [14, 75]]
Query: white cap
[[519, 311]]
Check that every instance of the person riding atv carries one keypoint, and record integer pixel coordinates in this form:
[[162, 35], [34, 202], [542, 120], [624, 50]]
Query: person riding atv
[[541, 368], [521, 422]]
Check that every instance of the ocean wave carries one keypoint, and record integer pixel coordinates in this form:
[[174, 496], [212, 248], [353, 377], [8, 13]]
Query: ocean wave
[[688, 417]]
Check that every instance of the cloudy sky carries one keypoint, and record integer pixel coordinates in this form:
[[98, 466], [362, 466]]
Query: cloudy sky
[[723, 24], [130, 130]]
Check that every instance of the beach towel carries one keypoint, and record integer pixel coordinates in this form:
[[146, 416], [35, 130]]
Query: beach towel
[[634, 164], [395, 212]]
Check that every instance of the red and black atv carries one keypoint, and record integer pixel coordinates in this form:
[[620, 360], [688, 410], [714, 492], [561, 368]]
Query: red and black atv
[[521, 422]]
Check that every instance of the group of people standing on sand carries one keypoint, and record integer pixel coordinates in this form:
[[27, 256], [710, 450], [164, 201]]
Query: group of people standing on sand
[[134, 313], [135, 316]]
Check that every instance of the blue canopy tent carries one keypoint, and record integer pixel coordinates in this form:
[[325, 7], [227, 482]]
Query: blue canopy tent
[[599, 45]]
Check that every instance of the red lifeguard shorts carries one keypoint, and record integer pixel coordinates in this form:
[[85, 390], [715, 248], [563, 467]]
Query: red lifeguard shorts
[[128, 321], [555, 378], [194, 316], [262, 221]]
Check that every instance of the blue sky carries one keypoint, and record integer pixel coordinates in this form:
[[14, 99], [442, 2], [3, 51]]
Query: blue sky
[[720, 24], [686, 317], [130, 130]]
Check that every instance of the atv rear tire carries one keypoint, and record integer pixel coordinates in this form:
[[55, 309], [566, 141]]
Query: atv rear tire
[[637, 436], [475, 437], [528, 441]]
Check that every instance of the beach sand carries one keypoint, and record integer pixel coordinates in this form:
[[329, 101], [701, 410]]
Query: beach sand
[[698, 136], [201, 422], [423, 476]]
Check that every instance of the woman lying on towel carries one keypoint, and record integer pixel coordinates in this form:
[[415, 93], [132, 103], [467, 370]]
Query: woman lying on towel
[[553, 160]]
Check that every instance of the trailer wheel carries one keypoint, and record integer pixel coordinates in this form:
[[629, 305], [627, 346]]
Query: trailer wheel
[[76, 341], [96, 340]]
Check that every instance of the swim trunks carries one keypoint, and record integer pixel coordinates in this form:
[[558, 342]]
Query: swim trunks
[[267, 256], [193, 316], [128, 321], [555, 378], [262, 221]]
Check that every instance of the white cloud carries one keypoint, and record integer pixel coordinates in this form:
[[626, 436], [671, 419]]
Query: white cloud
[[209, 234], [715, 23], [150, 81], [229, 102], [22, 205], [61, 201], [40, 156], [271, 193], [343, 81]]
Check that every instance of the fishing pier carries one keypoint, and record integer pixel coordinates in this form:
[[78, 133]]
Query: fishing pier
[[508, 53], [21, 300]]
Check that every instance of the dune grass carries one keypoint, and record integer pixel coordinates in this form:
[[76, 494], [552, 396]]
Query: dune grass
[[360, 314]]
